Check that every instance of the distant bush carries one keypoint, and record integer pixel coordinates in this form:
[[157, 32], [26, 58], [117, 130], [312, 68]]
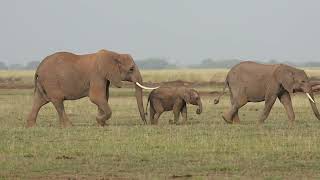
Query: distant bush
[[16, 67], [32, 65], [3, 66], [210, 63], [154, 63], [312, 64]]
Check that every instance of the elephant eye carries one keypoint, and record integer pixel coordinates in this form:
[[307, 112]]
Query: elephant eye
[[131, 69]]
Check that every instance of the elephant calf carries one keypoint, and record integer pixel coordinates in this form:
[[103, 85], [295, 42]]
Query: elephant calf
[[172, 98]]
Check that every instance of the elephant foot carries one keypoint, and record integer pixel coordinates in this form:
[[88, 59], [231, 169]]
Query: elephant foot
[[66, 124], [172, 121], [101, 122], [227, 121], [291, 124], [153, 123], [30, 124], [260, 124], [182, 123], [235, 122], [102, 118]]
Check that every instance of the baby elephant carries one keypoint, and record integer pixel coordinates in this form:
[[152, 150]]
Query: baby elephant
[[172, 98]]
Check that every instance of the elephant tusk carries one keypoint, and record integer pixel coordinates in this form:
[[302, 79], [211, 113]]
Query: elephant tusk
[[143, 87], [310, 97]]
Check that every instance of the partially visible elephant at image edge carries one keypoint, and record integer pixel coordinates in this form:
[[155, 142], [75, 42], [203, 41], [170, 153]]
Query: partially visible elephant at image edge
[[253, 82]]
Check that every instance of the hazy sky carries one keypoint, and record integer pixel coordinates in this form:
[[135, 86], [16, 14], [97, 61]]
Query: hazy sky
[[181, 30]]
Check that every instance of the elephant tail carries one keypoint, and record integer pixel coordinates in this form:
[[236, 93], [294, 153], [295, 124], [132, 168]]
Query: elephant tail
[[35, 78], [216, 101], [37, 86]]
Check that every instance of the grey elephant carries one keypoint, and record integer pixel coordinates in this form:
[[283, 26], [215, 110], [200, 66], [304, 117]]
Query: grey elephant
[[67, 76], [172, 98], [253, 82]]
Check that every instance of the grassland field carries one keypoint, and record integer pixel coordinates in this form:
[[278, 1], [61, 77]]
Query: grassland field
[[204, 148]]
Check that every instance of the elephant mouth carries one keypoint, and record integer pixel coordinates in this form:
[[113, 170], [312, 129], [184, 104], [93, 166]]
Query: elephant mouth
[[147, 88]]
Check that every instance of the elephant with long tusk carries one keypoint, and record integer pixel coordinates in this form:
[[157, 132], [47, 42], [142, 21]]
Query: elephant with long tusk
[[253, 82], [66, 76]]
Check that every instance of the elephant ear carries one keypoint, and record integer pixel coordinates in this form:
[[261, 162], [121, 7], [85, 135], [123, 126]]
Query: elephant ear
[[109, 67], [186, 95], [284, 75]]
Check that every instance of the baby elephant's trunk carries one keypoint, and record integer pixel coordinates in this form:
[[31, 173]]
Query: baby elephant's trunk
[[199, 110]]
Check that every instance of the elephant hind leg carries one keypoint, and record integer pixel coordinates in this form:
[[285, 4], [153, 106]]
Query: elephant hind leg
[[38, 102], [232, 116], [156, 117], [228, 116], [184, 114], [158, 110], [64, 120], [151, 114], [269, 102]]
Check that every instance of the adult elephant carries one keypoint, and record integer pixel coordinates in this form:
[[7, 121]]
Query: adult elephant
[[254, 82], [66, 76]]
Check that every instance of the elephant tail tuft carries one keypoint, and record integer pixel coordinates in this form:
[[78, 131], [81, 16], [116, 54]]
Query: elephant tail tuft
[[216, 100]]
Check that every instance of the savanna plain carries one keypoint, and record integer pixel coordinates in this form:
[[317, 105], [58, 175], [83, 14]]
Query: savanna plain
[[203, 148]]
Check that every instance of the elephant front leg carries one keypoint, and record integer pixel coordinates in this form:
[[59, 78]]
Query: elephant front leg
[[285, 99], [99, 97], [100, 111], [236, 119], [184, 114], [104, 114], [177, 107]]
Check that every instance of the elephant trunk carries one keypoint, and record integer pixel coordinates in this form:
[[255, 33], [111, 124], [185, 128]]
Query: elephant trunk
[[315, 85], [314, 107], [139, 94], [199, 109]]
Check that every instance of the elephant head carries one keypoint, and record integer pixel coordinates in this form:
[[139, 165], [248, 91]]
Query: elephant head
[[121, 67], [295, 80], [191, 96]]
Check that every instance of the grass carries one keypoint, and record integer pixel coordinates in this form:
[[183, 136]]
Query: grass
[[204, 148]]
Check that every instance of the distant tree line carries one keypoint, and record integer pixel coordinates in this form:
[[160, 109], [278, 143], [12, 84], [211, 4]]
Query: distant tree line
[[29, 66], [155, 63], [162, 63]]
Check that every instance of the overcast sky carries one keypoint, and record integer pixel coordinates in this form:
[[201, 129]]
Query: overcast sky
[[181, 30]]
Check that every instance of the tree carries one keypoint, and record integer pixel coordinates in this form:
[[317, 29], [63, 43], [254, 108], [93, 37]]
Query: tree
[[223, 63], [154, 63], [3, 66], [15, 67], [32, 65]]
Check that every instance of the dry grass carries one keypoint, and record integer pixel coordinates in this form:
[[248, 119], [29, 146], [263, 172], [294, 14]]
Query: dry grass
[[205, 147]]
